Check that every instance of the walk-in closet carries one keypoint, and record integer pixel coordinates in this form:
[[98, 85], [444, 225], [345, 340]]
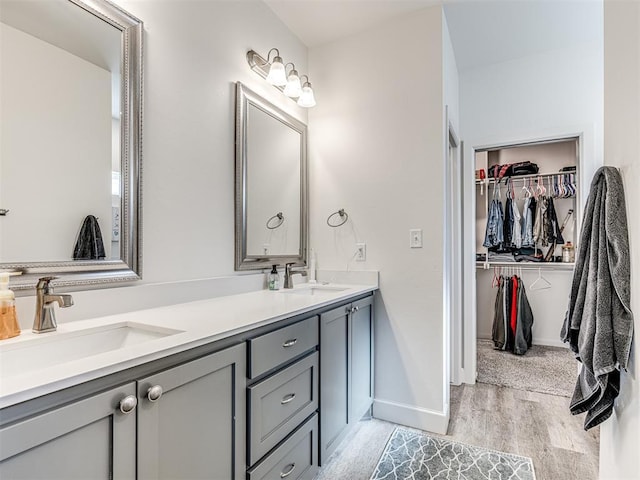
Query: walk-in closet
[[527, 220]]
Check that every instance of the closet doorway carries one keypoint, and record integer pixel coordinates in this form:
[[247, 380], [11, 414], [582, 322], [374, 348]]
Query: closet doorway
[[513, 177]]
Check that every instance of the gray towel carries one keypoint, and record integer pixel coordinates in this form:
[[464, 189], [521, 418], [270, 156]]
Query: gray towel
[[89, 244], [599, 324]]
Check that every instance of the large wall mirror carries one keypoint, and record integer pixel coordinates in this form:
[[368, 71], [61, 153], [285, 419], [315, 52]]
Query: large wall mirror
[[271, 184], [70, 152]]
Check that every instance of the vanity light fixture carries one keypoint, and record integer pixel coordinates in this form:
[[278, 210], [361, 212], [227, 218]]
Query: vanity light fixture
[[275, 72]]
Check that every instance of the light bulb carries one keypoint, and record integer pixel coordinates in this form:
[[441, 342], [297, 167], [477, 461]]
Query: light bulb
[[277, 75], [307, 99], [293, 88]]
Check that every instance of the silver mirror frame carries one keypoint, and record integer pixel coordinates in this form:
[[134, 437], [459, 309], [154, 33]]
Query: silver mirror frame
[[96, 273], [244, 97]]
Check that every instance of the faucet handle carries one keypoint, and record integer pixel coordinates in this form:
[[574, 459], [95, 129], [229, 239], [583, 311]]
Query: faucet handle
[[43, 282]]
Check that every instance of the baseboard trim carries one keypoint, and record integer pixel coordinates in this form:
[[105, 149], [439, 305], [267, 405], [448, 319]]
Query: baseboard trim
[[411, 416]]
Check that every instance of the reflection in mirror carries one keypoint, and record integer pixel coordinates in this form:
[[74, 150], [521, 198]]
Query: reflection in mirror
[[70, 117], [270, 184]]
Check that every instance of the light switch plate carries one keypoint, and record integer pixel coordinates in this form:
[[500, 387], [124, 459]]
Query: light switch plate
[[415, 238], [361, 252]]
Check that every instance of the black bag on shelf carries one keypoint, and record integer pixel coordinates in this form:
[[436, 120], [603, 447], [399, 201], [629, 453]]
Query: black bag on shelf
[[513, 170], [523, 168]]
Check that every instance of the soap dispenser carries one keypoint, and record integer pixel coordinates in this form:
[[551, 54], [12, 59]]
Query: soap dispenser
[[274, 279], [8, 319]]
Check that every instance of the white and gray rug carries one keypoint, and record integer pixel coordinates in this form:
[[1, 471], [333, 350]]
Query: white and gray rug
[[418, 456], [551, 370]]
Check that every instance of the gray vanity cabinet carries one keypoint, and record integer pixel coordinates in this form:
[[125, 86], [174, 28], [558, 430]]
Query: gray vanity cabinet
[[346, 371], [90, 438], [191, 421]]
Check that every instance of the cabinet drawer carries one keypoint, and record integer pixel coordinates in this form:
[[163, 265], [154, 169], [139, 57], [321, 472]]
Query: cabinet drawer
[[268, 351], [278, 404], [295, 459]]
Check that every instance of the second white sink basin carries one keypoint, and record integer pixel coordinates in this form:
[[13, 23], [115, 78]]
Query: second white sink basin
[[313, 289], [52, 349]]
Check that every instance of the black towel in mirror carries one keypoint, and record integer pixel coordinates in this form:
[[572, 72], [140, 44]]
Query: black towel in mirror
[[89, 244]]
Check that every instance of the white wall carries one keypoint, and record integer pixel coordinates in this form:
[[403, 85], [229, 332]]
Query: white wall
[[376, 150], [555, 93], [56, 132], [194, 52], [620, 435]]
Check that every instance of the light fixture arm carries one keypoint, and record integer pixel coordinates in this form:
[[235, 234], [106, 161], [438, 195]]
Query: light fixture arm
[[269, 54]]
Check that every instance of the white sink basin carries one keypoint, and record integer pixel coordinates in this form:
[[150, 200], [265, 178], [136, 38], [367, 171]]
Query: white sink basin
[[313, 289], [52, 349]]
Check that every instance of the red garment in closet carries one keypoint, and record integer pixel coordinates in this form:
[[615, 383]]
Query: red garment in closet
[[514, 304]]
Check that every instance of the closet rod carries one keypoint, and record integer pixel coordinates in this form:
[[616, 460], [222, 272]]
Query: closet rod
[[534, 176], [547, 266]]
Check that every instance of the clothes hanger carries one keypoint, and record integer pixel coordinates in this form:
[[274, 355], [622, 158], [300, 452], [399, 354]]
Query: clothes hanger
[[495, 281], [540, 283]]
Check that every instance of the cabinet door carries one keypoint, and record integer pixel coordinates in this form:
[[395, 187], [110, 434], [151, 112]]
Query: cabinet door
[[334, 390], [361, 355], [195, 426], [89, 439]]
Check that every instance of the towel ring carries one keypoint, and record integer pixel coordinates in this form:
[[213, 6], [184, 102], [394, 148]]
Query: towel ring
[[343, 216], [278, 216]]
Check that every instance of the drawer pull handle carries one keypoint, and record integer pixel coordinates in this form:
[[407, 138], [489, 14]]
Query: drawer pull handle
[[287, 398], [291, 467], [128, 404], [154, 393], [290, 343]]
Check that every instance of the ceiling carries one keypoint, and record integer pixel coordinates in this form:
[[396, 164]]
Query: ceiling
[[482, 31]]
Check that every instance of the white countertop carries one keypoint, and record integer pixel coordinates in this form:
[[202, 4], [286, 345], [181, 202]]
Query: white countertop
[[198, 323]]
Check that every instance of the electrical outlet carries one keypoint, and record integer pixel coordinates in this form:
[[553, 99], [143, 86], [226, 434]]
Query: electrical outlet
[[415, 238], [361, 252]]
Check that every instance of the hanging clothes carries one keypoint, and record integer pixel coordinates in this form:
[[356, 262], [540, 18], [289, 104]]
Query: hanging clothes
[[494, 234], [498, 332], [508, 222], [529, 212], [538, 226], [513, 317], [516, 226], [551, 226], [524, 322]]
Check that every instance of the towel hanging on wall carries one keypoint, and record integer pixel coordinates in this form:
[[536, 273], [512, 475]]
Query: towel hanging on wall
[[89, 244], [599, 323]]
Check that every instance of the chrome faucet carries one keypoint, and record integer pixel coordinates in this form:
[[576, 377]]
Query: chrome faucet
[[289, 272], [45, 320]]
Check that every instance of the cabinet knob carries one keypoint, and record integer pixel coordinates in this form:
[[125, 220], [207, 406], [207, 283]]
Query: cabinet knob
[[128, 404], [154, 393], [287, 398], [290, 343], [288, 470]]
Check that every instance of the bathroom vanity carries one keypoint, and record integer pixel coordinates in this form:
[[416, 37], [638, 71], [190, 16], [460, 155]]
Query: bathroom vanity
[[259, 385]]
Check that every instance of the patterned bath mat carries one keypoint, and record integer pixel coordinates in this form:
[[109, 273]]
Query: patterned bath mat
[[418, 456]]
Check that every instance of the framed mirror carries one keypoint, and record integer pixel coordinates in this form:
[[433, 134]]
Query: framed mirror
[[70, 142], [271, 184]]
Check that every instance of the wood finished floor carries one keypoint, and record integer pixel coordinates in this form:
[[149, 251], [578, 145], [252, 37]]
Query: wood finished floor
[[525, 423]]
